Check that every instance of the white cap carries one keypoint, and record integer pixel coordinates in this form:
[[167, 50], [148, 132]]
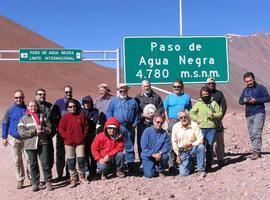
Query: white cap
[[111, 126]]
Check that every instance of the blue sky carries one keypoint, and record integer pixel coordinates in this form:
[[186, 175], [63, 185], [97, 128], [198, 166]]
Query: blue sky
[[102, 24]]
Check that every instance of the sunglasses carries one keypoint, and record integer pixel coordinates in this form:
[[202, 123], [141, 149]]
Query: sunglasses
[[159, 122], [71, 106], [111, 128], [41, 94], [210, 83], [177, 86], [122, 91], [19, 97], [68, 92]]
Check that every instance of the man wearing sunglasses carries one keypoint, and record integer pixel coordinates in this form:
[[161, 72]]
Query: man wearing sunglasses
[[125, 109], [219, 97], [45, 108], [187, 140], [11, 136], [156, 144], [58, 110], [174, 103]]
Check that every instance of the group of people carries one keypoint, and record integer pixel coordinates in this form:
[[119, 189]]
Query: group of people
[[100, 135]]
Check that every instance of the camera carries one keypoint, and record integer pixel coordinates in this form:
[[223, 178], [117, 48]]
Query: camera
[[246, 99]]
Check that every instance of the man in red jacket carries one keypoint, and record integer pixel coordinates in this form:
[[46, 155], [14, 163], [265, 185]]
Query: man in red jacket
[[107, 148]]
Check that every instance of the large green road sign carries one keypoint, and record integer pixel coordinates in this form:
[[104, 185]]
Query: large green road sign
[[164, 59], [50, 55]]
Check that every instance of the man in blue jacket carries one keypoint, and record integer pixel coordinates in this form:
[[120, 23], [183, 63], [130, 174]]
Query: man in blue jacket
[[125, 109], [253, 97], [11, 136], [156, 145]]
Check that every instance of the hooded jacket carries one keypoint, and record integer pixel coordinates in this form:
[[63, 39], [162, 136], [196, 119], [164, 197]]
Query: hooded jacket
[[91, 114], [104, 145]]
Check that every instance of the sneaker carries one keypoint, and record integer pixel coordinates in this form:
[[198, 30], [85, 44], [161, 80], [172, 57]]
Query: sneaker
[[220, 163], [202, 174], [41, 185], [161, 175], [120, 174], [35, 187], [20, 184], [255, 155], [49, 186], [103, 176]]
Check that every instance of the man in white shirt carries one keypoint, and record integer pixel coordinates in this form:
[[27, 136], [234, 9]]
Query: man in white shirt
[[187, 140]]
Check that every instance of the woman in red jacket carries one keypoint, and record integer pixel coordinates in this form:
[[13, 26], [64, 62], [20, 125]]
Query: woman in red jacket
[[73, 128], [107, 148]]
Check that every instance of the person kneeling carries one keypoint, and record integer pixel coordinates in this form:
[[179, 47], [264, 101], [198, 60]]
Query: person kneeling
[[156, 144], [107, 148], [187, 140]]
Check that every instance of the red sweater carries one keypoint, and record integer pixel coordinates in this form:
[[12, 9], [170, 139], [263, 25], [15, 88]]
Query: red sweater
[[73, 128], [104, 145]]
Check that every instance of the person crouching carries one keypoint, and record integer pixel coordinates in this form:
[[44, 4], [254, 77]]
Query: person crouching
[[107, 148], [155, 144], [73, 128]]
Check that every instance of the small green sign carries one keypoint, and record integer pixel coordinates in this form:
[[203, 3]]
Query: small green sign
[[161, 60], [50, 55]]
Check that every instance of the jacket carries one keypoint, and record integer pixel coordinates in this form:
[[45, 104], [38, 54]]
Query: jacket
[[104, 145], [153, 98], [125, 110], [200, 114], [154, 141], [11, 120], [27, 128], [260, 93], [219, 97], [73, 128]]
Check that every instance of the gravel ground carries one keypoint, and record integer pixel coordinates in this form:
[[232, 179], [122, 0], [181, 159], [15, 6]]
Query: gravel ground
[[241, 178]]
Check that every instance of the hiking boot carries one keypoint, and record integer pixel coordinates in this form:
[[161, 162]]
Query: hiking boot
[[35, 187], [103, 176], [255, 155], [20, 184], [120, 174], [83, 180], [49, 186]]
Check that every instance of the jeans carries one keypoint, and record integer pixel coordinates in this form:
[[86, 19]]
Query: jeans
[[43, 153], [141, 127], [184, 167], [209, 135], [129, 135], [117, 162], [152, 167], [255, 128]]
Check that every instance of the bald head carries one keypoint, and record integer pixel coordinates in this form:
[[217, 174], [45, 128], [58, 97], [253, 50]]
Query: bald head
[[146, 87]]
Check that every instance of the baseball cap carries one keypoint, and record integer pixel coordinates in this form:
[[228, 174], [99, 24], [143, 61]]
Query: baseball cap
[[210, 80]]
